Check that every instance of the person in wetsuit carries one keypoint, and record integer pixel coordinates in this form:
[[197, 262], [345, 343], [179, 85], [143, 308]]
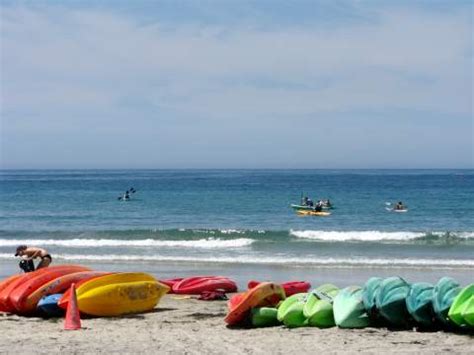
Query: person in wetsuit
[[31, 253]]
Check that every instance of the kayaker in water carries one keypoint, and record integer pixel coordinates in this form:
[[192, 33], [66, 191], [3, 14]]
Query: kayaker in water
[[399, 206], [31, 253], [319, 206]]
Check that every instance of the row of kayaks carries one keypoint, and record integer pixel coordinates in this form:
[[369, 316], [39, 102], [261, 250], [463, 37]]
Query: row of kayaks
[[46, 292], [390, 302]]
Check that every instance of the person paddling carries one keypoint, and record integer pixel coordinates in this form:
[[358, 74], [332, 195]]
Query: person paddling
[[31, 253]]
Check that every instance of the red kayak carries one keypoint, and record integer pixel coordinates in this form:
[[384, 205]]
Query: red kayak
[[266, 294], [18, 296], [196, 285], [5, 304], [290, 287], [170, 283], [4, 284]]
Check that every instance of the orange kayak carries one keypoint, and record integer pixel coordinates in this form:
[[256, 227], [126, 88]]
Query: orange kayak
[[5, 304], [5, 283], [290, 287], [18, 296], [57, 285], [266, 294]]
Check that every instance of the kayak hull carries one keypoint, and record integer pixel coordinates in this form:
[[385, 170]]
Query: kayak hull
[[266, 294]]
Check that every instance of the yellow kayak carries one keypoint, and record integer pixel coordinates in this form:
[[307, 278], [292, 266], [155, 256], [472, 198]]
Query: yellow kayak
[[313, 213], [118, 294]]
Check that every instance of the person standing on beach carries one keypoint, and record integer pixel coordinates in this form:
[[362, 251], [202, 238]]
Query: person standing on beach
[[31, 253]]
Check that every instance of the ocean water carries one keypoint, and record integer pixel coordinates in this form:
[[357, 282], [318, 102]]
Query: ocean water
[[239, 222]]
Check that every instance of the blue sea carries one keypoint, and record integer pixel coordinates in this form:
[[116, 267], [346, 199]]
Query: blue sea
[[239, 223]]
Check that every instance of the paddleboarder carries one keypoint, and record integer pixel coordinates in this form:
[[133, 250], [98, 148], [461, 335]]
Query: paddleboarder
[[31, 253]]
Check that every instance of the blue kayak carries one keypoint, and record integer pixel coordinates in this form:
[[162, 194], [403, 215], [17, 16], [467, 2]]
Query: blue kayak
[[48, 305]]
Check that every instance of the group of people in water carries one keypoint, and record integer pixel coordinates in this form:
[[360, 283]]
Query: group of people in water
[[306, 201]]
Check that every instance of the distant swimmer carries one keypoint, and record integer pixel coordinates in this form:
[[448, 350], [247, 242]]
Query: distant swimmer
[[399, 206], [126, 196], [28, 254]]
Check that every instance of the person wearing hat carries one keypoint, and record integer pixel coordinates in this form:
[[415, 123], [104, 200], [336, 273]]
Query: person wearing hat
[[30, 253]]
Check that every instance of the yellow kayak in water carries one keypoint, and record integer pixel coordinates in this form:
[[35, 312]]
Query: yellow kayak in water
[[313, 213]]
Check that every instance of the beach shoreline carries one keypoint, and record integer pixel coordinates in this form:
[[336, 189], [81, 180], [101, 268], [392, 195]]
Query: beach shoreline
[[189, 326]]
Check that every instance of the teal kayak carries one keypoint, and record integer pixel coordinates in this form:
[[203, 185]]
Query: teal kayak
[[309, 208], [419, 304], [290, 311], [349, 310], [369, 293], [444, 293], [318, 308], [390, 301]]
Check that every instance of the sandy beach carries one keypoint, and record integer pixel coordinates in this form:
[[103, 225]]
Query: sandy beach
[[189, 326]]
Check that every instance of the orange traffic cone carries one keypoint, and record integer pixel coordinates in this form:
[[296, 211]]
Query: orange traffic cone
[[73, 318]]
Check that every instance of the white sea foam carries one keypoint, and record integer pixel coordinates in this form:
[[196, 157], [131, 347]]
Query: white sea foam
[[306, 262], [368, 236], [209, 243]]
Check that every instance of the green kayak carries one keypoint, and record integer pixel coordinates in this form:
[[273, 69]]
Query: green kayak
[[444, 293], [462, 300], [419, 304], [468, 311], [369, 292], [318, 307], [264, 317], [349, 310], [390, 301], [290, 311]]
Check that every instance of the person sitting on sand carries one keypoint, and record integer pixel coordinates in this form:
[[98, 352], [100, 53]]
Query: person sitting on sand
[[30, 253]]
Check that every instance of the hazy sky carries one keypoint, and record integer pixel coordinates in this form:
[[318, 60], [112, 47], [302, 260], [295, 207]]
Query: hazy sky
[[236, 84]]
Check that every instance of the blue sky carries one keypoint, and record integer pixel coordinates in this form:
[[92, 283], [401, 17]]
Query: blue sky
[[236, 84]]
